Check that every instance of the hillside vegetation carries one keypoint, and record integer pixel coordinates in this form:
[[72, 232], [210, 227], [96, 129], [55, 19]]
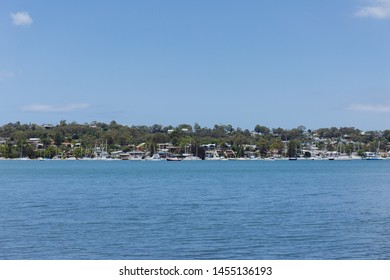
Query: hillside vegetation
[[73, 139]]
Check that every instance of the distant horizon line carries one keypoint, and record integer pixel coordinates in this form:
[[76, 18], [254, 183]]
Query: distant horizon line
[[302, 127]]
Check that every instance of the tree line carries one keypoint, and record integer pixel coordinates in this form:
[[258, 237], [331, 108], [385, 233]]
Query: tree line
[[80, 139]]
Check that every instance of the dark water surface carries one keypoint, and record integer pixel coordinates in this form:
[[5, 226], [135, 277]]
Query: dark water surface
[[195, 210]]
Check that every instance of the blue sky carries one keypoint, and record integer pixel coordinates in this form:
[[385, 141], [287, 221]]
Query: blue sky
[[274, 63]]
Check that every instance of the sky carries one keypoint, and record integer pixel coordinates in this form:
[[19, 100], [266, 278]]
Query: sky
[[143, 62]]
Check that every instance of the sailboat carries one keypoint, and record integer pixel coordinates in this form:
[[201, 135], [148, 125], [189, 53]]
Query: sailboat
[[375, 156], [188, 155], [21, 154]]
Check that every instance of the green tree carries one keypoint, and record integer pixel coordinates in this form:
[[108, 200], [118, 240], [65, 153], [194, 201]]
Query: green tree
[[277, 145], [292, 148], [3, 150], [262, 129], [185, 127], [58, 139], [50, 152], [263, 146], [78, 153]]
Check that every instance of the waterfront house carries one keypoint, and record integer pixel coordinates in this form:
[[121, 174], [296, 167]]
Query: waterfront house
[[167, 148], [36, 142]]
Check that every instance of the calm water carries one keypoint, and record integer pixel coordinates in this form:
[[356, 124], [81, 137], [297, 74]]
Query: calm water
[[195, 210]]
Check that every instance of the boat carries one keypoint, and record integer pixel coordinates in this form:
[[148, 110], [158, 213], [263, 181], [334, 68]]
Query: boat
[[23, 158], [155, 157], [71, 158], [173, 159], [235, 158], [343, 157], [100, 152], [374, 156], [136, 155], [190, 157], [212, 155]]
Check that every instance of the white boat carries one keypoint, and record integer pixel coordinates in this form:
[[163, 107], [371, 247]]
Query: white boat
[[155, 157], [271, 158], [101, 153], [252, 157], [374, 156], [343, 157], [355, 157], [212, 155], [86, 158], [71, 158], [136, 155], [190, 157], [23, 158], [237, 158], [173, 159]]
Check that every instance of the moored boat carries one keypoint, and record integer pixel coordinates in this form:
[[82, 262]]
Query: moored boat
[[173, 159]]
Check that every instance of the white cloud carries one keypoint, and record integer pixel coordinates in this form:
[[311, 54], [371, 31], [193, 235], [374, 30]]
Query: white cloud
[[382, 108], [46, 108], [379, 9], [21, 18]]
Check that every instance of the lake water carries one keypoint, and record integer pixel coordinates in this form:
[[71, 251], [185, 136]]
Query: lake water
[[195, 210]]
